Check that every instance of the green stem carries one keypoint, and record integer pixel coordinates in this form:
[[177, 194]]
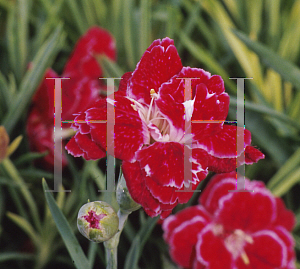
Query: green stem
[[111, 245], [111, 258], [14, 174]]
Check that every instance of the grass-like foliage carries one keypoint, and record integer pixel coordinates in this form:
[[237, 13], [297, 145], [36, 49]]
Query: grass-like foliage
[[232, 38]]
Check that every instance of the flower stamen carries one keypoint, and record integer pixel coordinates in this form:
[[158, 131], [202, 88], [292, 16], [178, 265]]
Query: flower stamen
[[153, 96], [134, 107], [245, 258]]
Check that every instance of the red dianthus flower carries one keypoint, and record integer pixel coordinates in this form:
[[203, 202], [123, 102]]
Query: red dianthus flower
[[240, 230], [149, 131], [78, 92]]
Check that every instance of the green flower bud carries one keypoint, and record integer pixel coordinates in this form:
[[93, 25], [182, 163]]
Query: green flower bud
[[97, 221], [124, 199]]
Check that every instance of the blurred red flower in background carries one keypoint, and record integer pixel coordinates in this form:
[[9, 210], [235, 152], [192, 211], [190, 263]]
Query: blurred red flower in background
[[240, 230], [78, 92], [150, 126]]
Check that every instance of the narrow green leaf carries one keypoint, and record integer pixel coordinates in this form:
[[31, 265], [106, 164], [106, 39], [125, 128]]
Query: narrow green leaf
[[138, 243], [233, 8], [265, 110], [12, 40], [290, 165], [35, 174], [7, 256], [262, 131], [89, 12], [128, 35], [254, 10], [290, 41], [66, 232], [285, 185], [15, 176], [43, 59], [273, 17], [6, 4], [5, 95], [110, 68], [191, 21], [23, 25], [294, 109], [133, 254], [29, 157], [26, 227], [144, 40], [248, 60], [286, 69], [77, 16], [100, 9], [8, 182]]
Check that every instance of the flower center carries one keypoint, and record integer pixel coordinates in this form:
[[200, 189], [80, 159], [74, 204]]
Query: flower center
[[158, 126], [235, 242], [93, 219]]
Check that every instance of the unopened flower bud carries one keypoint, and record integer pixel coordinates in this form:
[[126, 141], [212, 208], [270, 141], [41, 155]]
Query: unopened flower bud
[[124, 199], [4, 141], [97, 221]]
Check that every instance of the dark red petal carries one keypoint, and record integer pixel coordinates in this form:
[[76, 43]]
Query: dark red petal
[[81, 124], [172, 222], [223, 155], [285, 217], [248, 211], [164, 163], [73, 148], [166, 42], [163, 194], [223, 144], [95, 41], [156, 66], [213, 181], [211, 251], [40, 132], [91, 150], [183, 241], [221, 165], [208, 107], [215, 190], [175, 87], [124, 82], [77, 95], [289, 241], [253, 155], [267, 251], [43, 99], [129, 131], [135, 181], [215, 85]]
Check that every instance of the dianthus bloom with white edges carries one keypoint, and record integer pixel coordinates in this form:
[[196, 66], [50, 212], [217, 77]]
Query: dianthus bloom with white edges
[[151, 119], [232, 230]]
